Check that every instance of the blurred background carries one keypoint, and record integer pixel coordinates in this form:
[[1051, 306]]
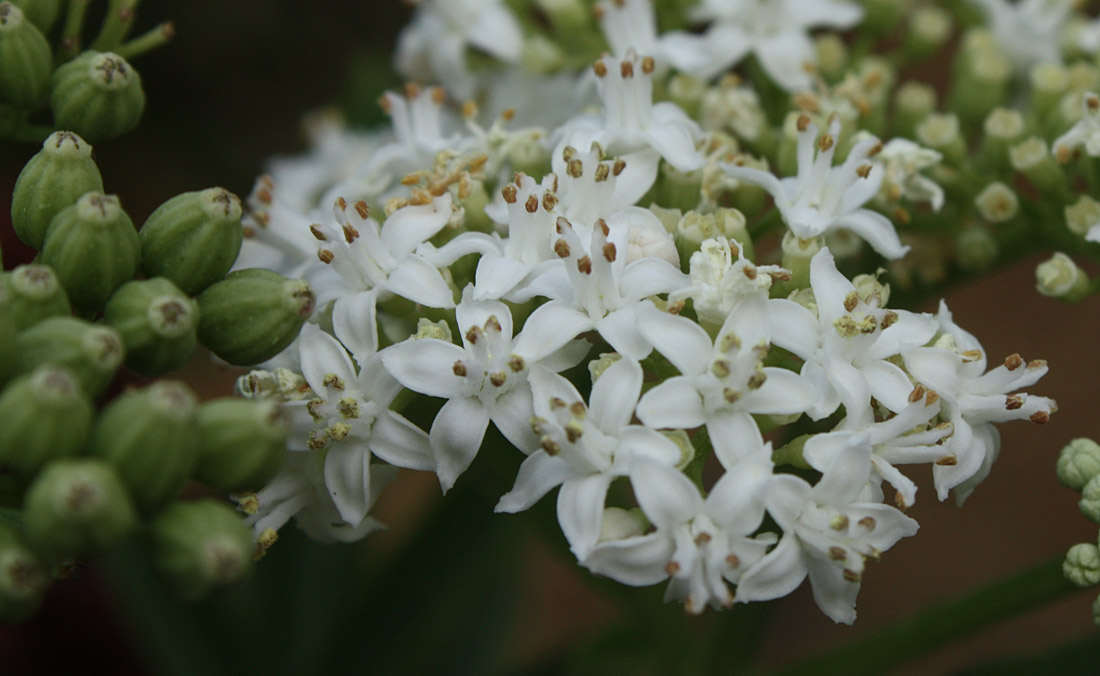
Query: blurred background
[[450, 588]]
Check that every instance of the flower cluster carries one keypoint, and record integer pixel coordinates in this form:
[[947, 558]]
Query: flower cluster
[[600, 279]]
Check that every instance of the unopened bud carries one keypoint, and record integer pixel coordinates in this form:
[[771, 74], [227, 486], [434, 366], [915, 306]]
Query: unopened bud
[[34, 294], [1059, 277], [997, 203], [46, 416], [24, 578], [55, 178], [1090, 499], [242, 443], [253, 315], [1032, 158], [25, 59], [1082, 565], [1082, 215], [619, 524], [93, 248], [832, 56], [929, 29], [42, 13], [1049, 83], [913, 102], [158, 324], [1078, 463], [198, 547], [976, 249], [193, 239], [687, 92], [76, 507], [940, 131], [97, 94], [150, 438], [1003, 128], [91, 352]]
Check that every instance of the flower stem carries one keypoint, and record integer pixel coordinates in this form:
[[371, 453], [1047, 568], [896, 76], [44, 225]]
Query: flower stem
[[157, 37], [934, 627], [120, 17], [70, 33]]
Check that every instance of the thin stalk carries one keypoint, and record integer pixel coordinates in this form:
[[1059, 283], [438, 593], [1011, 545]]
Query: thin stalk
[[935, 627], [70, 33], [117, 24], [157, 37]]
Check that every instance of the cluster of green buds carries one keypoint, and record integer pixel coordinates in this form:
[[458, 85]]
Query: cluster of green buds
[[1078, 468], [94, 92], [86, 460]]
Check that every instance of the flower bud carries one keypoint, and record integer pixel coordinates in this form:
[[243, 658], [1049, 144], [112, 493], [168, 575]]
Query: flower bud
[[23, 577], [34, 294], [913, 102], [158, 324], [997, 203], [1082, 215], [797, 254], [1059, 277], [193, 239], [76, 507], [1003, 127], [1090, 499], [46, 416], [687, 92], [242, 443], [198, 547], [940, 131], [1049, 83], [252, 315], [1078, 463], [42, 13], [98, 95], [52, 180], [1032, 158], [93, 248], [149, 436], [976, 249], [929, 29], [832, 56], [1082, 565], [678, 189], [619, 524], [91, 352], [25, 59]]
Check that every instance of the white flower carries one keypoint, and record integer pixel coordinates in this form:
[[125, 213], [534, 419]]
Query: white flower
[[954, 367], [822, 197], [483, 381], [583, 448], [775, 31], [373, 262], [721, 276], [632, 25], [276, 235], [903, 161], [829, 530], [1085, 132], [432, 48], [723, 382], [846, 347], [1029, 31], [698, 544]]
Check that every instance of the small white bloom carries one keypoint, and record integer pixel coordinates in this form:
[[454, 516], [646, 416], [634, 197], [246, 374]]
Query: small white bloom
[[721, 276], [903, 161], [1085, 132], [822, 197], [1029, 31]]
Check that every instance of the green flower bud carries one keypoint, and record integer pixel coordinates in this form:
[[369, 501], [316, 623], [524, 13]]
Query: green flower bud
[[1078, 463], [193, 239], [1082, 565], [913, 102], [929, 29], [797, 254], [1003, 128], [25, 59], [677, 189], [97, 94], [940, 131], [1082, 215], [76, 507], [52, 180], [23, 577], [46, 416], [149, 436], [42, 13], [34, 294], [687, 92], [91, 352], [976, 249], [997, 203], [252, 315], [1049, 83], [198, 547], [1059, 277], [832, 56], [158, 324], [93, 248], [242, 443], [1032, 158], [1090, 499]]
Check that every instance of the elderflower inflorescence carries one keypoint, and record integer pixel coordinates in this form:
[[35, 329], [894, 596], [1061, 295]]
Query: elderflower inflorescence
[[483, 263]]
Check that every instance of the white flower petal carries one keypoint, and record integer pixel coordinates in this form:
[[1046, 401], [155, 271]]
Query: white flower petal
[[674, 404], [538, 475], [456, 436], [401, 443], [425, 366]]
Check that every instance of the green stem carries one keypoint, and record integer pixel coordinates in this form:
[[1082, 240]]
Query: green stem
[[934, 627], [119, 20], [70, 33], [157, 37]]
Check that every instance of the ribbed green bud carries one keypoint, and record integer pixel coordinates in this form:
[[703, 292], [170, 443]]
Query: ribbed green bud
[[193, 239], [1003, 128], [198, 547], [797, 254], [677, 189], [46, 416], [93, 248], [25, 59], [242, 443], [1090, 499], [1049, 83], [1078, 463], [42, 13], [52, 180], [159, 325], [76, 507], [940, 131], [23, 577], [97, 94], [34, 294], [252, 315], [91, 352], [149, 436], [1082, 565]]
